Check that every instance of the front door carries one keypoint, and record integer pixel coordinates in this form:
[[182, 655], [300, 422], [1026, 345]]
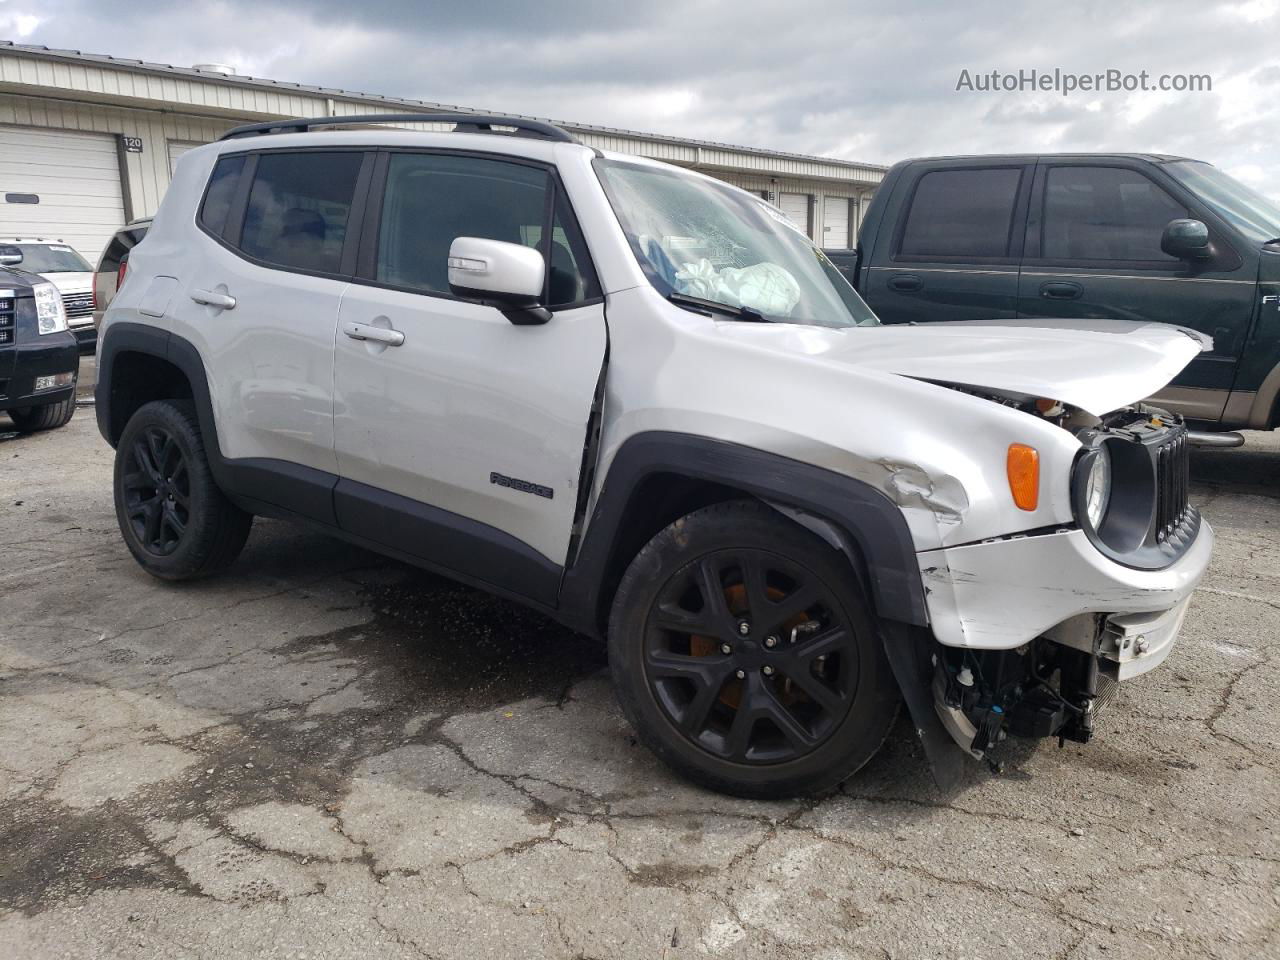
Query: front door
[[954, 252], [1093, 251], [461, 443]]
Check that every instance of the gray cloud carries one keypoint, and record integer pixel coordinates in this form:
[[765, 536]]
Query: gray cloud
[[872, 82]]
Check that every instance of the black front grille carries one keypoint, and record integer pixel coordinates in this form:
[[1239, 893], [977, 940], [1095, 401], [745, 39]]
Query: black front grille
[[78, 305], [1173, 477], [8, 311]]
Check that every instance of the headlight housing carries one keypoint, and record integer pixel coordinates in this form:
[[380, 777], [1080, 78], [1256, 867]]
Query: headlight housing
[[1097, 487], [51, 317], [1128, 491]]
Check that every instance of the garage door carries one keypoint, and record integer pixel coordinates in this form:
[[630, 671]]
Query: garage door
[[796, 207], [835, 223], [176, 149], [62, 185]]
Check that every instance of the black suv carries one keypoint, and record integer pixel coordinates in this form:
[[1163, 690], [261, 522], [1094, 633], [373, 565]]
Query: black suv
[[39, 356]]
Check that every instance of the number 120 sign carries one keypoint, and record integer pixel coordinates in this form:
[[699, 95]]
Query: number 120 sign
[[132, 144]]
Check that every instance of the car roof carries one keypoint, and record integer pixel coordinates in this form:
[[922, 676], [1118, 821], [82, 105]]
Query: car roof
[[1027, 157]]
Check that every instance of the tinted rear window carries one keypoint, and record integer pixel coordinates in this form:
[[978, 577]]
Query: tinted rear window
[[961, 213], [298, 209]]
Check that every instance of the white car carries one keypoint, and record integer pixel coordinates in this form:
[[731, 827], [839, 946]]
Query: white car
[[61, 265], [640, 401]]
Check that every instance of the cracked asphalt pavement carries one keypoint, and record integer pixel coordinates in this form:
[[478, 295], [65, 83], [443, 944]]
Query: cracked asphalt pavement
[[326, 754]]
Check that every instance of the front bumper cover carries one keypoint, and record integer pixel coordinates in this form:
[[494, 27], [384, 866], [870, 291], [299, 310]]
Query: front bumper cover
[[1003, 593]]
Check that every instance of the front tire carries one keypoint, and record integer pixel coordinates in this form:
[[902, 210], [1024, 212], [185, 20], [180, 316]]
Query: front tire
[[175, 520], [745, 655], [48, 416]]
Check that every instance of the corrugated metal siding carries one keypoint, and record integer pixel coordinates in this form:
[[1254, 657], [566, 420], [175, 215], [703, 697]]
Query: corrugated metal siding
[[255, 98], [160, 104]]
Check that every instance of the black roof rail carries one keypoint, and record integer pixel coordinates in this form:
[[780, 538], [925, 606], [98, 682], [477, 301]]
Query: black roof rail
[[463, 123]]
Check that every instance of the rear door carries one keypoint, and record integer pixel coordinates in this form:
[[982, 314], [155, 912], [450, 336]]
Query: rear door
[[463, 443], [950, 242], [1093, 251], [262, 308]]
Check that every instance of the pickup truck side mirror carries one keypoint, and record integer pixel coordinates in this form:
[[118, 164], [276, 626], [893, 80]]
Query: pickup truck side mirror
[[10, 256], [508, 276], [1186, 240]]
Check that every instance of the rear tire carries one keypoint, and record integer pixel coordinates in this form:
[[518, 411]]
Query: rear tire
[[49, 416], [746, 656], [175, 520]]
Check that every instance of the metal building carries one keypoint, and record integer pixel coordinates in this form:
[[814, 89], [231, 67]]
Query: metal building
[[88, 142]]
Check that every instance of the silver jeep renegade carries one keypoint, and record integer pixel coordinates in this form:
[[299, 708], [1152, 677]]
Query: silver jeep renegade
[[640, 401]]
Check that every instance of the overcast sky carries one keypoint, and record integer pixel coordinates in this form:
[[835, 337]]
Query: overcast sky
[[871, 82]]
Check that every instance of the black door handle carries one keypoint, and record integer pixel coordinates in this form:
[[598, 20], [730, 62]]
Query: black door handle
[[1061, 290], [905, 282]]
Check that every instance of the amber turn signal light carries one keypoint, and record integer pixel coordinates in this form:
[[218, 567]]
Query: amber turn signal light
[[1024, 475]]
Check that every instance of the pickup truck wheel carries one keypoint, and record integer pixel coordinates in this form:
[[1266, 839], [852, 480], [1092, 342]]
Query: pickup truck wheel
[[46, 417], [176, 522], [745, 654]]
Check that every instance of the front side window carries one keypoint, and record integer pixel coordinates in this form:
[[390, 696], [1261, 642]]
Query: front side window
[[1257, 217], [694, 237], [432, 199], [298, 209], [966, 213], [1105, 213]]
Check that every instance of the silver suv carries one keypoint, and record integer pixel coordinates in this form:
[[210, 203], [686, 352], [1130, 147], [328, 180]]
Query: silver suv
[[640, 401]]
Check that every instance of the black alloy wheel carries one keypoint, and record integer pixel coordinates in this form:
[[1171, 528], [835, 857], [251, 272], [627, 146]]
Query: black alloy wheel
[[746, 655], [175, 519], [750, 657], [157, 491]]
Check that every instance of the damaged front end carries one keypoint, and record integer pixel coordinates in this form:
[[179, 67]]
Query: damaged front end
[[1034, 632]]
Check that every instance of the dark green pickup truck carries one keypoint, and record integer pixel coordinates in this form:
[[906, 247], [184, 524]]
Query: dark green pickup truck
[[1081, 236]]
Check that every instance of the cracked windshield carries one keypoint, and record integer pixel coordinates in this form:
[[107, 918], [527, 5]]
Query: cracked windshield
[[694, 238]]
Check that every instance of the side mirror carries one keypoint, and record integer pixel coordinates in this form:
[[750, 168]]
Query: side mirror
[[508, 276], [10, 256], [1186, 240]]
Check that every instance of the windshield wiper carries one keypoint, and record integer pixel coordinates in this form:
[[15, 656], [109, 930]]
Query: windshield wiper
[[702, 305]]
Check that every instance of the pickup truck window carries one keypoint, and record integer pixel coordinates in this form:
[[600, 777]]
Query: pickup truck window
[[961, 213], [1105, 213], [695, 239], [1244, 208]]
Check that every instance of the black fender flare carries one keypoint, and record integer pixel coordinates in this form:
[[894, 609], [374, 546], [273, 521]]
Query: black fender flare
[[873, 523], [858, 514], [262, 485]]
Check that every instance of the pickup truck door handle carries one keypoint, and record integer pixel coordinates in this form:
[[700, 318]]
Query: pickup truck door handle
[[210, 299], [1061, 290], [905, 282], [363, 331]]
